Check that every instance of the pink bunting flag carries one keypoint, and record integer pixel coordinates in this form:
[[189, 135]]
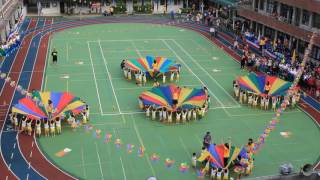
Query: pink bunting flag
[[154, 157], [141, 151], [168, 162], [88, 128], [184, 167], [97, 133], [130, 148], [107, 138]]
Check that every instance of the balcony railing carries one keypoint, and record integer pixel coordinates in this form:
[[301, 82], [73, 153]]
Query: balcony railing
[[277, 23], [7, 8]]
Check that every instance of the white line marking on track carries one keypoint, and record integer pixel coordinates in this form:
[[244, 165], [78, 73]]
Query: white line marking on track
[[136, 49], [67, 46], [187, 66], [67, 85], [46, 82], [124, 40], [99, 160], [124, 173], [82, 163], [95, 79], [109, 75], [193, 60], [149, 87], [184, 147], [142, 144], [141, 112]]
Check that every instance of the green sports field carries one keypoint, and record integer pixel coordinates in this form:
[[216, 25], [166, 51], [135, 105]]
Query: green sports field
[[89, 67]]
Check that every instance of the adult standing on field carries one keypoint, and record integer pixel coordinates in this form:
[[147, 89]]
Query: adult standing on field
[[54, 55]]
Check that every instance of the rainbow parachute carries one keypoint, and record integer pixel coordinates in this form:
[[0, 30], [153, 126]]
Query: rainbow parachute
[[216, 153], [37, 106], [162, 96], [152, 66], [256, 84]]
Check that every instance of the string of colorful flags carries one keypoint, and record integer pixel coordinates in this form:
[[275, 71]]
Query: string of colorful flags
[[276, 118], [13, 84], [97, 133]]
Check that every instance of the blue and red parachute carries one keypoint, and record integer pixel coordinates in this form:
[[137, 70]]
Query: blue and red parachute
[[152, 66], [162, 96], [36, 107], [256, 84]]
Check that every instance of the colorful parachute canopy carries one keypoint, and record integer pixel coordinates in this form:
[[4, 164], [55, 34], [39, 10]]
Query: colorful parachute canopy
[[152, 66], [256, 84], [162, 96], [216, 153], [37, 106]]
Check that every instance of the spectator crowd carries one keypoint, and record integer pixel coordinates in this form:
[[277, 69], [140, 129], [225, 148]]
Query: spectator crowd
[[273, 57]]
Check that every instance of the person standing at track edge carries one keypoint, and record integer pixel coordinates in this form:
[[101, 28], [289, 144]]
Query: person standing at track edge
[[243, 61], [54, 55]]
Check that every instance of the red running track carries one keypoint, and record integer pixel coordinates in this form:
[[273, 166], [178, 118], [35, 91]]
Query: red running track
[[28, 144], [8, 91]]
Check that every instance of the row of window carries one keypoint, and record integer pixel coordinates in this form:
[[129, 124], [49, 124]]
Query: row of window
[[270, 33], [288, 13]]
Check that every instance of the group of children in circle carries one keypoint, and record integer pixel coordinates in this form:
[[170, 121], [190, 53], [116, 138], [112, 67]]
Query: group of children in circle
[[141, 77], [242, 165], [254, 100], [178, 115], [51, 125]]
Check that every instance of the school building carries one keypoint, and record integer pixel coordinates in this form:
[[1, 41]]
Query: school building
[[293, 20]]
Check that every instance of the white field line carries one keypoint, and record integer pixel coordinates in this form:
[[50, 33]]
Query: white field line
[[141, 112], [184, 147], [142, 144], [195, 75], [79, 74], [222, 88], [99, 160], [95, 80], [109, 75], [131, 50], [124, 172], [149, 87], [136, 49], [125, 40], [67, 46], [45, 84], [82, 163], [67, 85], [44, 76], [198, 138]]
